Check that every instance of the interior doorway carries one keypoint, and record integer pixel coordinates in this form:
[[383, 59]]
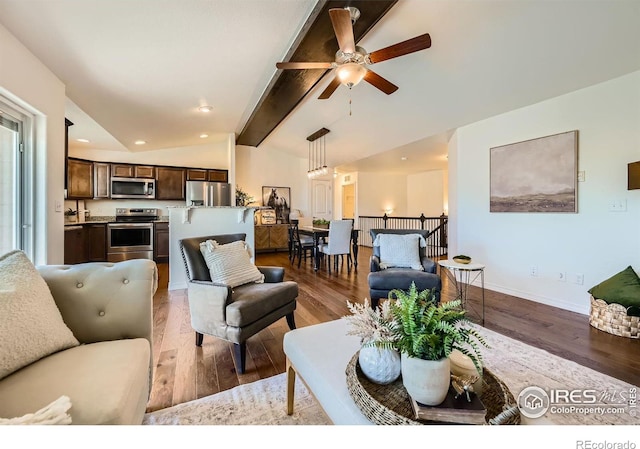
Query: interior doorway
[[321, 199], [348, 201]]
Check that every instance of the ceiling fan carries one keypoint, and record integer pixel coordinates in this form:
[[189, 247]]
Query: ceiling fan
[[351, 61]]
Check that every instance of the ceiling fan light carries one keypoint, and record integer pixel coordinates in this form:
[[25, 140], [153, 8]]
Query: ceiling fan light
[[350, 74]]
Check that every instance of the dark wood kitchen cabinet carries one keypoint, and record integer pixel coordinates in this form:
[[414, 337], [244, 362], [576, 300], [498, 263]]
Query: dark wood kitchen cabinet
[[122, 170], [144, 171], [218, 175], [101, 180], [170, 183], [80, 179], [96, 241], [75, 245], [133, 171], [197, 174], [85, 243], [161, 242], [203, 174]]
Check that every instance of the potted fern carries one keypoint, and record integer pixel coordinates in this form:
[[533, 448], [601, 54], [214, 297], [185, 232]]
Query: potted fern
[[425, 334], [378, 358]]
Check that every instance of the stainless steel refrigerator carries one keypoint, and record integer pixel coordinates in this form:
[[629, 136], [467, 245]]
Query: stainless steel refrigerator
[[202, 193]]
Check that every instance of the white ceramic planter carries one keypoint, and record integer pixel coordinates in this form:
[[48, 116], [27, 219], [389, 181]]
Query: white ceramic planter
[[426, 381], [380, 365]]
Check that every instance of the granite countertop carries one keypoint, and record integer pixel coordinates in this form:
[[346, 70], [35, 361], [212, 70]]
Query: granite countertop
[[73, 220]]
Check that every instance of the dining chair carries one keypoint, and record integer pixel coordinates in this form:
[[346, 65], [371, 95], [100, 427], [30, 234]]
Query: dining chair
[[300, 245], [339, 243]]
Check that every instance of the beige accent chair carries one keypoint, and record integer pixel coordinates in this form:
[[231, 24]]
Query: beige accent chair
[[109, 308], [234, 314]]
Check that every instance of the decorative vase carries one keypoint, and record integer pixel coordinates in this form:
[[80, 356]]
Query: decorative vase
[[380, 365], [426, 381]]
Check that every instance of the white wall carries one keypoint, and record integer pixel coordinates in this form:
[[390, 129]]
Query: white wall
[[425, 193], [257, 167], [594, 242], [26, 81], [379, 191]]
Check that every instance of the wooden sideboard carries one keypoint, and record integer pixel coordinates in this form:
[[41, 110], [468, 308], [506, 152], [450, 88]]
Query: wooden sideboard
[[272, 237]]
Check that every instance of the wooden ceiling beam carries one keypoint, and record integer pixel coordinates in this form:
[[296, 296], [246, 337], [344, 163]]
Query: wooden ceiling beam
[[316, 42]]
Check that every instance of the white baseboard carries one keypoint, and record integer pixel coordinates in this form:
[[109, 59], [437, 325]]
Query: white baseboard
[[554, 302]]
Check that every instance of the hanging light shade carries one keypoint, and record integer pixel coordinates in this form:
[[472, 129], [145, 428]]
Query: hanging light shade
[[317, 154], [351, 73]]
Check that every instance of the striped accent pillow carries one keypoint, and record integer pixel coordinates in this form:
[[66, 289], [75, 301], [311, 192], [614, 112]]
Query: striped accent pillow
[[230, 264]]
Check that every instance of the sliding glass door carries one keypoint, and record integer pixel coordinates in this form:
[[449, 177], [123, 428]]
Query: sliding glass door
[[15, 189]]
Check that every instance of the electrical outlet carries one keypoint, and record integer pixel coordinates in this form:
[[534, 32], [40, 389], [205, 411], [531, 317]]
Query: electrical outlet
[[533, 271], [578, 279], [618, 205], [581, 176], [561, 276]]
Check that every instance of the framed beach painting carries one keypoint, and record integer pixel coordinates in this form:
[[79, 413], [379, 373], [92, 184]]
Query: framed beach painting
[[537, 175], [279, 199]]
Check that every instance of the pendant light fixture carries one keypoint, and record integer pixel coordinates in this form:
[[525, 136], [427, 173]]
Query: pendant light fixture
[[317, 153]]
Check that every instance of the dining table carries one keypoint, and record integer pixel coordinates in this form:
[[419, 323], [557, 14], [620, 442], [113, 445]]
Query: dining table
[[319, 234]]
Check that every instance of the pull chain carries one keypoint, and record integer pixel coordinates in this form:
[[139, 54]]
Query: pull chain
[[349, 106]]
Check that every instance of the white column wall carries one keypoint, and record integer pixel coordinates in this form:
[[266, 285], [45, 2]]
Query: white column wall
[[30, 84], [594, 242]]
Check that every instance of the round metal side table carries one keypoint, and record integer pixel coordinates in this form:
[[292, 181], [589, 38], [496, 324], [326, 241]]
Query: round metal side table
[[462, 276]]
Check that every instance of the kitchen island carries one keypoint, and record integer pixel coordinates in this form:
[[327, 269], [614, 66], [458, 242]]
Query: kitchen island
[[196, 221]]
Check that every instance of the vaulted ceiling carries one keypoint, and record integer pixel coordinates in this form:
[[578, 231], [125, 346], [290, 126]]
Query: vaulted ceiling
[[139, 69]]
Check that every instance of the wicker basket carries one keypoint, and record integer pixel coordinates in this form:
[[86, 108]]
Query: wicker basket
[[390, 404], [613, 318]]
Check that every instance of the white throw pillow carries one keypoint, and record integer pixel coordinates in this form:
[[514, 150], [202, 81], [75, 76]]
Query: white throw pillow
[[54, 413], [400, 250], [31, 326], [230, 264]]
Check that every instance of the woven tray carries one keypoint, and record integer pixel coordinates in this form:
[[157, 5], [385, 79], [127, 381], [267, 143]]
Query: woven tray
[[390, 404], [613, 318]]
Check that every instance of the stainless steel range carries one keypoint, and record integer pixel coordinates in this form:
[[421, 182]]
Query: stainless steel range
[[131, 236]]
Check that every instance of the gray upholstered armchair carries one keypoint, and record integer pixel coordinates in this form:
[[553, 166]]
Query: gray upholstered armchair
[[234, 314], [383, 280]]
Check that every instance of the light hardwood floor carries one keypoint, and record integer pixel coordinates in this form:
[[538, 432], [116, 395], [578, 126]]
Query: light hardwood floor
[[185, 372]]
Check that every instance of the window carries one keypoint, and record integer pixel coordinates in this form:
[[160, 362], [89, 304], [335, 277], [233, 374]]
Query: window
[[16, 191]]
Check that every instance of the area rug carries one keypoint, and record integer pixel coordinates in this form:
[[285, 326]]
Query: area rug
[[259, 403], [595, 395], [518, 365]]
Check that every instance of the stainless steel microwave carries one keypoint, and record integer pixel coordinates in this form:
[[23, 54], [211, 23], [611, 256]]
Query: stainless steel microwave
[[138, 188]]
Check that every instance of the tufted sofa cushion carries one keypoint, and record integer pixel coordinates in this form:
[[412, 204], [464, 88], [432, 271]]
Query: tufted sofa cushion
[[97, 297]]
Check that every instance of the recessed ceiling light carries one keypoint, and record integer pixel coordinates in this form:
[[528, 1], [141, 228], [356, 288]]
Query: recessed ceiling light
[[202, 136], [403, 158], [140, 142], [205, 109], [83, 140]]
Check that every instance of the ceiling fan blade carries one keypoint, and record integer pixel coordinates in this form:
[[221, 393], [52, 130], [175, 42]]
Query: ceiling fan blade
[[330, 89], [381, 83], [304, 65], [400, 49], [341, 21]]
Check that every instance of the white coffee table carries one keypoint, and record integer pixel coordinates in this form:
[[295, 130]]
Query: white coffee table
[[319, 354], [462, 275]]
